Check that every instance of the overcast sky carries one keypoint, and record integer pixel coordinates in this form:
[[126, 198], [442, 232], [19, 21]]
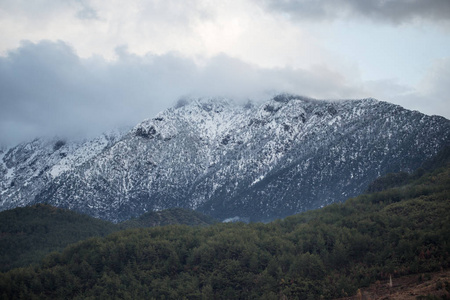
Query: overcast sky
[[79, 67]]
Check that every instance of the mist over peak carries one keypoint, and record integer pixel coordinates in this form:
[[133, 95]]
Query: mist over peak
[[48, 90]]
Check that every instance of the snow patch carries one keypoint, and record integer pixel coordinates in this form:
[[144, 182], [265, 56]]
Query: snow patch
[[257, 180], [9, 173], [236, 219], [58, 170]]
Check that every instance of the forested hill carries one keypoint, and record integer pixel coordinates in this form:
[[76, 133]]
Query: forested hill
[[27, 234], [322, 254], [171, 216]]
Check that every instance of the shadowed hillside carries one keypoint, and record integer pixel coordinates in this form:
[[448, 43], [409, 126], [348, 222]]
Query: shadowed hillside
[[169, 216], [27, 234]]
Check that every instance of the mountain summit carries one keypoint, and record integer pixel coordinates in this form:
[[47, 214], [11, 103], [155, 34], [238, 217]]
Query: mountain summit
[[248, 162]]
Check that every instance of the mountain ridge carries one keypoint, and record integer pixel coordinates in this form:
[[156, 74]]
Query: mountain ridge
[[254, 162]]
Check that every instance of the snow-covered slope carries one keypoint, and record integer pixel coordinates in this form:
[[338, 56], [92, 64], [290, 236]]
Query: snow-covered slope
[[258, 162], [28, 168]]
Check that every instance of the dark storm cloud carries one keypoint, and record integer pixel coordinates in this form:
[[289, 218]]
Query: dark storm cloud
[[46, 89], [393, 11]]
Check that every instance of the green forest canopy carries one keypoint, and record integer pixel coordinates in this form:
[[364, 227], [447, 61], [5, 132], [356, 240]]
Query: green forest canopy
[[28, 234]]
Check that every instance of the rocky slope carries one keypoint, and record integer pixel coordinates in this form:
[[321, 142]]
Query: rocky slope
[[28, 168], [254, 162]]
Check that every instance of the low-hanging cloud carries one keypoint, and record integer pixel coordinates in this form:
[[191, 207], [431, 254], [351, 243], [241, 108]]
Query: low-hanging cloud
[[391, 11], [46, 89]]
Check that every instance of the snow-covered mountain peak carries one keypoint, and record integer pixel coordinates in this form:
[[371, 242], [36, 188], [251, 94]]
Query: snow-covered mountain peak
[[257, 160]]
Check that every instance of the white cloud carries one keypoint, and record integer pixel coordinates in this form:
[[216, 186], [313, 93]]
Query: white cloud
[[196, 28], [47, 89], [93, 64]]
